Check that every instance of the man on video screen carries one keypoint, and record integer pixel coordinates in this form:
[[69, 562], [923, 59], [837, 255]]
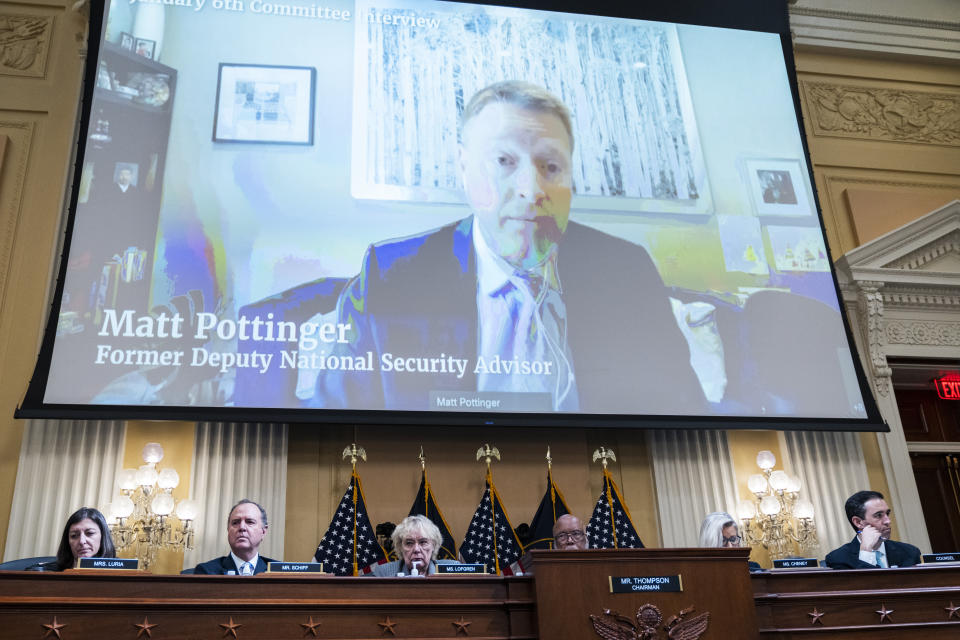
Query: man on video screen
[[514, 308]]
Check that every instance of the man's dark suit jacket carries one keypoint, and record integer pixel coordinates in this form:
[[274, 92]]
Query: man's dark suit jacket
[[899, 554], [220, 566], [417, 297]]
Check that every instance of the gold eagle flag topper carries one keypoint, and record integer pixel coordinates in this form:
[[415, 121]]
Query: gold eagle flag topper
[[604, 455], [488, 452], [354, 453]]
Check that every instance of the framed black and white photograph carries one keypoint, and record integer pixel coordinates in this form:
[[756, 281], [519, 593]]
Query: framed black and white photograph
[[265, 104], [126, 41], [777, 186], [144, 47]]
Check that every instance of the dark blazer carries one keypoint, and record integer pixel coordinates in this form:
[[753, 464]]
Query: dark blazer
[[220, 566], [390, 569], [899, 554], [417, 296]]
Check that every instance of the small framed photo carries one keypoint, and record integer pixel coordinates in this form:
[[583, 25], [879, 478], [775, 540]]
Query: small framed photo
[[778, 186], [126, 173], [144, 47], [264, 103], [126, 41]]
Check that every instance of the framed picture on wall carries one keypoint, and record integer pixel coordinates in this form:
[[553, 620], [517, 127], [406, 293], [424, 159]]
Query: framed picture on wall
[[268, 104], [777, 186]]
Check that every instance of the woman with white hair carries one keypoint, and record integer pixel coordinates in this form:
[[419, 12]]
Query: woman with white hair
[[418, 541], [719, 529]]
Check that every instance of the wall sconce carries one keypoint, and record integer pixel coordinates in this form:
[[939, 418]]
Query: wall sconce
[[777, 518], [140, 517]]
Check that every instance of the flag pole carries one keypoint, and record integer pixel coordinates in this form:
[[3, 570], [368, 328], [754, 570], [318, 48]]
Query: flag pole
[[354, 453], [426, 483], [604, 455], [488, 453]]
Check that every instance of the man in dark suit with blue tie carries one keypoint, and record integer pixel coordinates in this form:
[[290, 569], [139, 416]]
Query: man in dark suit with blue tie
[[246, 527], [513, 304], [872, 547]]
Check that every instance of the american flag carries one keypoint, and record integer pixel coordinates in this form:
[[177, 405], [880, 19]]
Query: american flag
[[552, 506], [350, 544], [610, 525], [426, 505], [490, 537]]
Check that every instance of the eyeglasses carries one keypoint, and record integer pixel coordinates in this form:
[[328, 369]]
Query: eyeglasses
[[732, 541], [410, 543], [565, 536]]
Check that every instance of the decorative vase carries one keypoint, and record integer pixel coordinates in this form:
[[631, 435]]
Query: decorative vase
[[148, 24]]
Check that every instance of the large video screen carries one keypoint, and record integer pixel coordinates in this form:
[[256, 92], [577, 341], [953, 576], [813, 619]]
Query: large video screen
[[444, 209]]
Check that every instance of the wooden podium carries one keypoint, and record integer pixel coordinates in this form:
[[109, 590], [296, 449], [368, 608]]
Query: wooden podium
[[687, 590]]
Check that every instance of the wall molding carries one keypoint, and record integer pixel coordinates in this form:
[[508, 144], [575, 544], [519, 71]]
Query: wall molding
[[918, 332], [873, 17], [882, 113], [933, 447], [20, 135], [24, 44], [893, 35]]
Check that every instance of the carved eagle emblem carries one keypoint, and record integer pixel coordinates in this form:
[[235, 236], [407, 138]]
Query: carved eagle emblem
[[613, 626]]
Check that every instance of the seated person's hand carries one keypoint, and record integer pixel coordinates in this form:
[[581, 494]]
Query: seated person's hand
[[870, 539]]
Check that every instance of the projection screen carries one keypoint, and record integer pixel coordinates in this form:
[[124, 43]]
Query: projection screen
[[414, 211]]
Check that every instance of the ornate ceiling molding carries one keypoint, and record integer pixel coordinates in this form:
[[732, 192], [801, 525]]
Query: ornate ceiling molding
[[899, 35], [905, 21]]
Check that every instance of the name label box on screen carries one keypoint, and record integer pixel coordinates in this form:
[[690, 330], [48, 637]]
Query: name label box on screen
[[294, 567], [462, 569], [128, 564], [633, 584]]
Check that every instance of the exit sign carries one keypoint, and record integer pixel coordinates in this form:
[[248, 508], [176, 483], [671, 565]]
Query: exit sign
[[948, 387]]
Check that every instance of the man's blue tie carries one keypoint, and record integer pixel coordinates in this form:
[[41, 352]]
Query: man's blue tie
[[879, 558]]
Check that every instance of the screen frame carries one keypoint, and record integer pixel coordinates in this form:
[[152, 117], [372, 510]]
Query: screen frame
[[768, 16]]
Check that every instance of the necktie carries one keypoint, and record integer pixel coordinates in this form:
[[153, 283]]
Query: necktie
[[879, 558], [534, 330], [246, 569]]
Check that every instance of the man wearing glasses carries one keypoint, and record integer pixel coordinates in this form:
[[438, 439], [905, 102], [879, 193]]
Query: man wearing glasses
[[418, 540], [568, 534]]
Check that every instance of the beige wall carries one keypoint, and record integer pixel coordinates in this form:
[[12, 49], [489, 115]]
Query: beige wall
[[884, 137], [38, 107], [871, 179]]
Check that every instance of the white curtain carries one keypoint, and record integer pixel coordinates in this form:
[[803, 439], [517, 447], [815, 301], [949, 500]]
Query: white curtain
[[231, 462], [64, 465], [694, 476], [831, 467]]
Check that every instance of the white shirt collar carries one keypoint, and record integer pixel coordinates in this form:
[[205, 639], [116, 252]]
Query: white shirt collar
[[493, 272]]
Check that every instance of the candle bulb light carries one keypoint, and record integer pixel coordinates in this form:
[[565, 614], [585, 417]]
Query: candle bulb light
[[145, 517], [777, 519]]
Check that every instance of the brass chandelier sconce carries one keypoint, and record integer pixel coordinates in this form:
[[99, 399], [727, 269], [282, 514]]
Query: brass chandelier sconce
[[777, 518], [141, 520]]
